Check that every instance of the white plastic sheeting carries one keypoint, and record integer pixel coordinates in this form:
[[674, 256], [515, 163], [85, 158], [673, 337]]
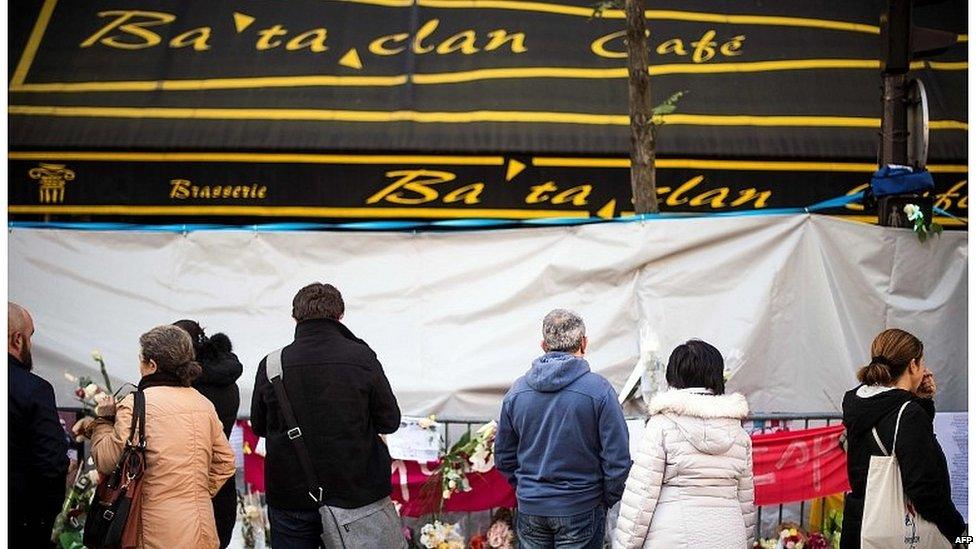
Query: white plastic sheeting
[[455, 317]]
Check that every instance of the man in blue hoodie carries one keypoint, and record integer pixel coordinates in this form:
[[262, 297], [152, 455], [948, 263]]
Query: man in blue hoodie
[[562, 443]]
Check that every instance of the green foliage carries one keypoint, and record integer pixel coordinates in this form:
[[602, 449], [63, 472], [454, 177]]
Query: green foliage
[[667, 106], [604, 5]]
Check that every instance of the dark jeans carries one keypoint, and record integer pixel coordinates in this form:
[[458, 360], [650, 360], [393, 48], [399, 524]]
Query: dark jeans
[[582, 531], [295, 529]]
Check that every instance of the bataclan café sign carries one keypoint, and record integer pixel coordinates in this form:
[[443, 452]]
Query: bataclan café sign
[[443, 108]]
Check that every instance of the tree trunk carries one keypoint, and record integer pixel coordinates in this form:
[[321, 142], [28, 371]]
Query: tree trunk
[[642, 180]]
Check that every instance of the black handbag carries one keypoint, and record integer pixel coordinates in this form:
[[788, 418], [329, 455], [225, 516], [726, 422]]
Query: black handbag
[[113, 519]]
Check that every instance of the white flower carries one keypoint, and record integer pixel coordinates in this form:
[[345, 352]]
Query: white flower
[[488, 429], [427, 422], [446, 494], [913, 212], [452, 484], [97, 355], [90, 390], [482, 460]]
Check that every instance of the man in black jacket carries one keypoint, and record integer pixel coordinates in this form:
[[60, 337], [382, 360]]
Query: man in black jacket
[[38, 444], [342, 401]]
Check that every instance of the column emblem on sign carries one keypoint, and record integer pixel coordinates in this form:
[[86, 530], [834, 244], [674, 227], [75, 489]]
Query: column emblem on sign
[[53, 178]]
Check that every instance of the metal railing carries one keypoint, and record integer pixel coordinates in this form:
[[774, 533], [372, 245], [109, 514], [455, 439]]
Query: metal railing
[[453, 428]]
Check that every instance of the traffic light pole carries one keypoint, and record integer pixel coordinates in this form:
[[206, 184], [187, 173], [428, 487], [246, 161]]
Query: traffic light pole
[[896, 28], [894, 120]]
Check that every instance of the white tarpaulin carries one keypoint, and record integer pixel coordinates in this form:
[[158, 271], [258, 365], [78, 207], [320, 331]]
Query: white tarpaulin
[[455, 317]]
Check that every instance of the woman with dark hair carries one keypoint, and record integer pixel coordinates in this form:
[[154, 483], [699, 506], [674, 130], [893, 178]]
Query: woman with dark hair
[[895, 376], [187, 455], [691, 482], [218, 383]]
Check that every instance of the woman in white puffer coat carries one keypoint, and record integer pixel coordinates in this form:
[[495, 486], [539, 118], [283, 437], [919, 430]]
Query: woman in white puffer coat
[[691, 482]]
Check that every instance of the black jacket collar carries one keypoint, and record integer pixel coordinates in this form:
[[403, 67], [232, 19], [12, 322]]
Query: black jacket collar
[[324, 327], [13, 361]]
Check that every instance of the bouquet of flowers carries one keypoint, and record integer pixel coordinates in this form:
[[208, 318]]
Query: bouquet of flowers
[[441, 535], [818, 541], [500, 533], [470, 453], [70, 522], [835, 523], [791, 536], [250, 513], [88, 392]]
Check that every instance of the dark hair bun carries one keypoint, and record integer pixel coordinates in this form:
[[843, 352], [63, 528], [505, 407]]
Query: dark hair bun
[[188, 372], [874, 374], [221, 342]]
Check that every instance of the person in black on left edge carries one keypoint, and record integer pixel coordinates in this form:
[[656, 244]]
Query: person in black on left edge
[[37, 443], [218, 382]]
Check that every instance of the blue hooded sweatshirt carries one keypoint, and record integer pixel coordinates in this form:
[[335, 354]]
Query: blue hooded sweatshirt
[[562, 440]]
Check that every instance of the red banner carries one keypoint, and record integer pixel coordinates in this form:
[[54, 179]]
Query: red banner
[[800, 465], [488, 490]]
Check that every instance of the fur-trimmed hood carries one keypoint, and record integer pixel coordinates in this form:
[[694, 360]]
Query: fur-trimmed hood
[[710, 423], [697, 403]]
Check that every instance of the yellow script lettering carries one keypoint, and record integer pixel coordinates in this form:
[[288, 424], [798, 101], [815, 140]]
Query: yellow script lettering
[[313, 40], [136, 29], [268, 35], [196, 38], [378, 46], [415, 181]]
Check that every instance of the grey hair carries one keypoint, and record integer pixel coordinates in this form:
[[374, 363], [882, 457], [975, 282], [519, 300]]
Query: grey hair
[[172, 350], [563, 330]]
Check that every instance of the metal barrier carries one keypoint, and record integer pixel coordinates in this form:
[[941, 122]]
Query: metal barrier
[[455, 427]]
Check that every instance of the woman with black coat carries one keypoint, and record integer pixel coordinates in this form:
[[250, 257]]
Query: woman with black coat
[[897, 374], [218, 384]]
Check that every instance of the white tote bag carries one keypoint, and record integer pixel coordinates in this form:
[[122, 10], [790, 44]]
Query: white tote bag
[[890, 520]]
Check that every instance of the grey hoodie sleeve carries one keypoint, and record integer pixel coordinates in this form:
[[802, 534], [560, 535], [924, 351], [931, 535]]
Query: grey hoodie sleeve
[[614, 448]]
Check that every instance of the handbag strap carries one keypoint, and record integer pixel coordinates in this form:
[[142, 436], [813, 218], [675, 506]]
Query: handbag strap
[[894, 438], [294, 432], [138, 419]]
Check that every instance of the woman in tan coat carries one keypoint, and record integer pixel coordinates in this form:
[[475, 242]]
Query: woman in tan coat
[[187, 455]]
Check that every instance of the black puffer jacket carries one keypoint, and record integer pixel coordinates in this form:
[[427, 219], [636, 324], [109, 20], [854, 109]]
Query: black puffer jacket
[[343, 402], [221, 370], [924, 472], [218, 383]]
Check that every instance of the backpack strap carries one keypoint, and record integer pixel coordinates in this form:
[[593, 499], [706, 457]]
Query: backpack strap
[[294, 432], [894, 438]]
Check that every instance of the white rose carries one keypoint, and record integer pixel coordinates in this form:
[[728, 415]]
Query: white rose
[[488, 428], [90, 390], [97, 355], [446, 494]]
